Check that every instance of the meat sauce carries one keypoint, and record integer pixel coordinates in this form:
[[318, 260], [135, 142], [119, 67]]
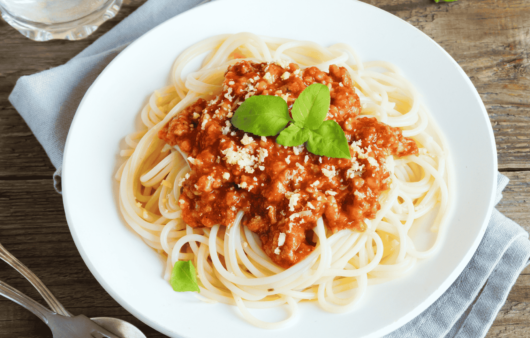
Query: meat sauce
[[281, 190]]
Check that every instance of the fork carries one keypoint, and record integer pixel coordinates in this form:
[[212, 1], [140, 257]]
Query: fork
[[54, 304], [61, 326], [61, 321]]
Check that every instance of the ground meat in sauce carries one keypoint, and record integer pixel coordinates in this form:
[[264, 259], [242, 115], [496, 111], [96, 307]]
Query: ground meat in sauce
[[282, 190]]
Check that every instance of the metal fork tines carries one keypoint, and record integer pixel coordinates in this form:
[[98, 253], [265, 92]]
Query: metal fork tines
[[61, 326], [7, 257]]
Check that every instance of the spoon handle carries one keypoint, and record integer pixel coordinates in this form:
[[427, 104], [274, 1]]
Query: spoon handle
[[34, 280], [18, 297]]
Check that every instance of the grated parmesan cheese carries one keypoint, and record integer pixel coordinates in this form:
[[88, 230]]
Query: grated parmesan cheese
[[360, 195], [293, 200], [262, 153], [329, 173], [373, 162], [226, 130], [283, 63], [241, 157], [300, 214], [355, 170], [246, 140], [281, 239], [205, 121], [268, 77], [356, 147], [298, 149], [228, 96]]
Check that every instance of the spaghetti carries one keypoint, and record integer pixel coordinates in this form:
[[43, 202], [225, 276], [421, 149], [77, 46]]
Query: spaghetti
[[235, 265]]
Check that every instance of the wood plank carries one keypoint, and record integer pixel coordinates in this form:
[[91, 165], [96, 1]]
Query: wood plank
[[513, 313], [521, 291], [514, 318], [21, 155], [33, 227], [512, 331], [32, 217], [488, 38], [516, 198], [497, 64], [32, 222]]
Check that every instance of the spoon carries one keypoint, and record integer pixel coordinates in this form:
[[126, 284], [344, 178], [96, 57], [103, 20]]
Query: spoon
[[116, 326]]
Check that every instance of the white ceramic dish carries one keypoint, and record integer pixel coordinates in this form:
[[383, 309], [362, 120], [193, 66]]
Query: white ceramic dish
[[131, 272]]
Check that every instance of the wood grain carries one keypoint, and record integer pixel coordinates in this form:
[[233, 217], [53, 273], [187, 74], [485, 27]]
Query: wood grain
[[33, 228], [488, 38]]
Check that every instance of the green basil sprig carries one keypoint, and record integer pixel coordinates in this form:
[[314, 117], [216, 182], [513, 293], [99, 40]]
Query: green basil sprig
[[184, 277], [265, 115], [262, 115]]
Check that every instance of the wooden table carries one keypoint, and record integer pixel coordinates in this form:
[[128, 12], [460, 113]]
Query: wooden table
[[490, 39]]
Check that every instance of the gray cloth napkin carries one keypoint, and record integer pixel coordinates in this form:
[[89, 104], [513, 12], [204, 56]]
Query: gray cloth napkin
[[470, 305], [48, 100]]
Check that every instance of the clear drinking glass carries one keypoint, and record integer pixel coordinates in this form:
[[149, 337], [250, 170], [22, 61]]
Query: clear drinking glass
[[43, 20]]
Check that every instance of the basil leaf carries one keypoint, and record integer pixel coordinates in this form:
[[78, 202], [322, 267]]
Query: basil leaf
[[329, 140], [311, 106], [184, 277], [262, 115], [266, 115], [292, 136]]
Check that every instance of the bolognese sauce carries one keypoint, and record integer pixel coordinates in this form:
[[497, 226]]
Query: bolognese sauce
[[281, 190]]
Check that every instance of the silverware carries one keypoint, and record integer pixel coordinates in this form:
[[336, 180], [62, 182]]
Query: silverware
[[54, 304], [62, 323], [61, 326]]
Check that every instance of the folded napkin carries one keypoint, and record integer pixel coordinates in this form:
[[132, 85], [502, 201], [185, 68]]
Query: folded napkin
[[48, 101], [470, 305]]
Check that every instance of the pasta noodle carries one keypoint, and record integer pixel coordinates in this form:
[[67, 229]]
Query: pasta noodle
[[232, 268]]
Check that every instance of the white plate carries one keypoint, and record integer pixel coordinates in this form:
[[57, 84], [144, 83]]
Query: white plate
[[131, 272]]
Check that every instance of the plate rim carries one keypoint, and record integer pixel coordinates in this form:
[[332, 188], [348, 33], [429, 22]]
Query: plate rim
[[431, 299]]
